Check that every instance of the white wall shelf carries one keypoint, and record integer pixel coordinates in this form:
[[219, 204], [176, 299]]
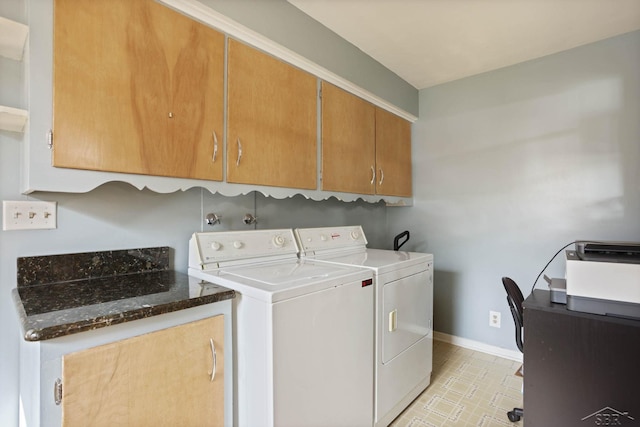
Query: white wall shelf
[[13, 37], [13, 119]]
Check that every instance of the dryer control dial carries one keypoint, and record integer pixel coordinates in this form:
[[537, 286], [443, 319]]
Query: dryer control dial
[[278, 241], [238, 244], [355, 235], [216, 246]]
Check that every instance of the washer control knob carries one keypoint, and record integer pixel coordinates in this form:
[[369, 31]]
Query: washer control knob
[[355, 235], [278, 241], [237, 244], [216, 246]]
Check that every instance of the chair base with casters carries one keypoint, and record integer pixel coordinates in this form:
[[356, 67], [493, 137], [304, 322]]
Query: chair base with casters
[[515, 415], [515, 300]]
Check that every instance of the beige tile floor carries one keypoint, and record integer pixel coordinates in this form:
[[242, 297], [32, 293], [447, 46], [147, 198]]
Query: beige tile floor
[[468, 388]]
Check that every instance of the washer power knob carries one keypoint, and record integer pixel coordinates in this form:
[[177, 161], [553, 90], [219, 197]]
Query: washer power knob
[[216, 246], [237, 244]]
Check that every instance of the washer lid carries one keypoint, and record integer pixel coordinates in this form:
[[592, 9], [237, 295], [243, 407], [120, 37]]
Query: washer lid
[[277, 281]]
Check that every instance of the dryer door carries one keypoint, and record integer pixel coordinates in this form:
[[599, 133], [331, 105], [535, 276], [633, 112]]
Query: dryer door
[[407, 312]]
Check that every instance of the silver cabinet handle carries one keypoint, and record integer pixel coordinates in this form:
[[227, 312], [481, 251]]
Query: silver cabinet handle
[[214, 358], [373, 175], [239, 153], [381, 176], [57, 391], [215, 147]]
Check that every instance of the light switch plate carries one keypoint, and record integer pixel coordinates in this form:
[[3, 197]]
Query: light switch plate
[[29, 215]]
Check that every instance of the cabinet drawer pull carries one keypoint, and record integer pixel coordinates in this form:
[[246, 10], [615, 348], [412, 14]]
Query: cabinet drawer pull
[[215, 146], [214, 359], [239, 153], [373, 175], [381, 176]]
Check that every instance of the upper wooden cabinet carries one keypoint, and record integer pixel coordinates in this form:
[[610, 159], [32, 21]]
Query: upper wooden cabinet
[[365, 149], [138, 88], [393, 155], [348, 135], [271, 121], [142, 90]]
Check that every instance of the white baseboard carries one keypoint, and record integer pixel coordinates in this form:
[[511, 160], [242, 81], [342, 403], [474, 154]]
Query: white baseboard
[[478, 346]]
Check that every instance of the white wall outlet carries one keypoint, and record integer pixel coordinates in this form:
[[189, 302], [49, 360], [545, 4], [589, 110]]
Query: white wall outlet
[[29, 215], [494, 319]]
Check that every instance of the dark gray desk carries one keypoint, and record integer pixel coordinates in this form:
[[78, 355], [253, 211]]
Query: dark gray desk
[[580, 369]]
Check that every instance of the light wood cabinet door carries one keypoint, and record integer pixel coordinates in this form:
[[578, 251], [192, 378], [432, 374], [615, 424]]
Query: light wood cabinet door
[[393, 155], [161, 378], [138, 88], [271, 121], [348, 142]]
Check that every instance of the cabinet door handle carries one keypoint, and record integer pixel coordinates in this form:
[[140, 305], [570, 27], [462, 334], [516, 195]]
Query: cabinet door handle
[[213, 358], [239, 153], [215, 147], [381, 176], [373, 175], [57, 391]]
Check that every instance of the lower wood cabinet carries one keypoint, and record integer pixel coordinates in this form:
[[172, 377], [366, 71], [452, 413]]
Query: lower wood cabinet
[[157, 371], [170, 377]]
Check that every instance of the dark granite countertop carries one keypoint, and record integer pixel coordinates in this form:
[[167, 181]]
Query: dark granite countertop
[[65, 294]]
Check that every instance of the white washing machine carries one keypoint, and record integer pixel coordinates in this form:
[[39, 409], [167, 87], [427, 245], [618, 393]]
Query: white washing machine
[[303, 330], [403, 306]]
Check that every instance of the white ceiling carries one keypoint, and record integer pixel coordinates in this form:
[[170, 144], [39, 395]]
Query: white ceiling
[[428, 42]]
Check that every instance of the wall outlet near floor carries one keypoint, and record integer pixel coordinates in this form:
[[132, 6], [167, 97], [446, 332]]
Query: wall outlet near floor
[[494, 319], [29, 215]]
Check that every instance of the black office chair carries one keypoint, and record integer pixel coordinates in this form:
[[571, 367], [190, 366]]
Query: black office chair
[[515, 300]]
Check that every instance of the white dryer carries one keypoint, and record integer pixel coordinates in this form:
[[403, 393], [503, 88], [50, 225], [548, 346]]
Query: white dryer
[[403, 308], [303, 330]]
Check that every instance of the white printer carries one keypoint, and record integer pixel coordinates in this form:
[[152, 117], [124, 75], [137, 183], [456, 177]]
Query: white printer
[[604, 278]]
